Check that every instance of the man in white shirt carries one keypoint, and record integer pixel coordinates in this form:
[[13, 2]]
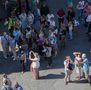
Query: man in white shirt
[[49, 16], [80, 7], [5, 44], [23, 19], [49, 56], [52, 23], [30, 18]]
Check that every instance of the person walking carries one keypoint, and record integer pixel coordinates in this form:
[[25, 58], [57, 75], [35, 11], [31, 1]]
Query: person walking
[[70, 3], [78, 60], [23, 19], [60, 15], [13, 47], [70, 27], [80, 7], [85, 67], [23, 60], [6, 4], [49, 55], [5, 44], [30, 18], [68, 69], [34, 67], [44, 9]]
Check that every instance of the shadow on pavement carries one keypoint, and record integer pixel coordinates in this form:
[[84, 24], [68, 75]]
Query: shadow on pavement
[[10, 66], [82, 81], [53, 76]]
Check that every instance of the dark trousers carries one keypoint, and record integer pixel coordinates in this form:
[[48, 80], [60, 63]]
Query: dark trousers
[[60, 20], [23, 65]]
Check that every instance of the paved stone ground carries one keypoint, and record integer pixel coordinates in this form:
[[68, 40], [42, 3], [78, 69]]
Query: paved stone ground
[[50, 79]]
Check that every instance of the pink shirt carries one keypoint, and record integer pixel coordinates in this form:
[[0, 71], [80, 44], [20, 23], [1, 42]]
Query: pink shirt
[[87, 9]]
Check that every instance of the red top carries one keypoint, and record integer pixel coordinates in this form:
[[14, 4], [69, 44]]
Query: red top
[[60, 13]]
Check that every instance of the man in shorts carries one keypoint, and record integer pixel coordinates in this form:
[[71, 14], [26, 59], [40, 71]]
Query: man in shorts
[[85, 67]]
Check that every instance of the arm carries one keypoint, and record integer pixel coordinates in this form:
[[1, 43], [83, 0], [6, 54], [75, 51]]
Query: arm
[[71, 61], [76, 53], [33, 59]]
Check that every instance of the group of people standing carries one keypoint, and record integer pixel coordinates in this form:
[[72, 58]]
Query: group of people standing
[[28, 41], [80, 65]]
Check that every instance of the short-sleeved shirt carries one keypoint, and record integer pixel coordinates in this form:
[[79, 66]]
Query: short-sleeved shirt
[[85, 64], [5, 40], [81, 4]]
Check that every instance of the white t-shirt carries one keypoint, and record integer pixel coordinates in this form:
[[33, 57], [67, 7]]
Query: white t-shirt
[[49, 16], [70, 28], [88, 18], [52, 23], [65, 65], [48, 53], [55, 31], [76, 23], [80, 5]]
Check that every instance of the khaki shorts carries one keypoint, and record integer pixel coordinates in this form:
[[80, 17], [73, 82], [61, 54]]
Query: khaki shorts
[[68, 72]]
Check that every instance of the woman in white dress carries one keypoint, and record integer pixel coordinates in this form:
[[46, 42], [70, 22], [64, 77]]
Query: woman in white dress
[[34, 57], [78, 60]]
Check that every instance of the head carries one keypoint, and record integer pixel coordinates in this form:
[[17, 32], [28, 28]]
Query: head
[[70, 9], [83, 56], [79, 55], [68, 58], [44, 4], [4, 76], [4, 33], [32, 54]]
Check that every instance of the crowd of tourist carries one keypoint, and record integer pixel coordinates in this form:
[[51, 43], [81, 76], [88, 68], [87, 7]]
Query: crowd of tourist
[[25, 39]]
